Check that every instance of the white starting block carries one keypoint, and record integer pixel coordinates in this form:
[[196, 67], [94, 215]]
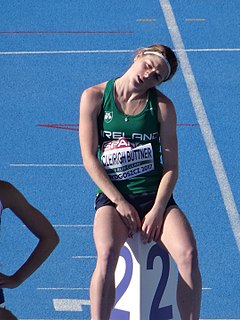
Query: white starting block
[[146, 282]]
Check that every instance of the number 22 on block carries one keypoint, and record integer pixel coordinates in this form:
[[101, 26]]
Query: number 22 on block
[[146, 289]]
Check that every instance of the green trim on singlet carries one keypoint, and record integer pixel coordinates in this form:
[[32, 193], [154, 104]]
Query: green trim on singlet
[[141, 129]]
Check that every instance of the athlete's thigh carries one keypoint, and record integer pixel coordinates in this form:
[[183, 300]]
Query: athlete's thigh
[[109, 229], [177, 235]]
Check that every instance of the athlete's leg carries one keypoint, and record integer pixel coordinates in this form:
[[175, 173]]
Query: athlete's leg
[[110, 233], [6, 315], [178, 238]]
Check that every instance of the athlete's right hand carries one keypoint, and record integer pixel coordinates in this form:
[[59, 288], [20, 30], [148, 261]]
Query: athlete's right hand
[[129, 216]]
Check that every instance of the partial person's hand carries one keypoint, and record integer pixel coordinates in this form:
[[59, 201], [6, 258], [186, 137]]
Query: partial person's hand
[[151, 226], [8, 281], [129, 216]]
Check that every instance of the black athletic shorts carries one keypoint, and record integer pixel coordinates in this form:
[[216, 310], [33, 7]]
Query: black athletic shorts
[[143, 202]]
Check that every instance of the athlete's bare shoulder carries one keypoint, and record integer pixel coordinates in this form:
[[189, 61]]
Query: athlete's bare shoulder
[[91, 100], [165, 107], [163, 99], [95, 92]]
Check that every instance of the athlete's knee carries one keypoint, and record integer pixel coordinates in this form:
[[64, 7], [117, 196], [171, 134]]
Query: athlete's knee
[[187, 259], [107, 260]]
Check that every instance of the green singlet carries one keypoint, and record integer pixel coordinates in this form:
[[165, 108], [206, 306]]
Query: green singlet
[[129, 146]]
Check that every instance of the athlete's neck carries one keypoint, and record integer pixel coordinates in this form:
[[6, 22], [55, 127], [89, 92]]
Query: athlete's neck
[[124, 92]]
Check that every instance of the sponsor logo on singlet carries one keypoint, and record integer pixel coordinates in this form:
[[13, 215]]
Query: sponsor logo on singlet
[[124, 160]]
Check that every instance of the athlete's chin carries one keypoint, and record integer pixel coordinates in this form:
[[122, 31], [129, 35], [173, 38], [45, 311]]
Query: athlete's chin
[[138, 86]]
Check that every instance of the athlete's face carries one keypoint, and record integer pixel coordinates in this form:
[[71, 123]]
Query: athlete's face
[[148, 71]]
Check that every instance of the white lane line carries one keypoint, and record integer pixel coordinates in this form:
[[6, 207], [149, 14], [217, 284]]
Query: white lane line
[[85, 289], [205, 127], [68, 226], [146, 20], [211, 50], [195, 19], [72, 225], [109, 51], [45, 165], [63, 52], [84, 257], [63, 289]]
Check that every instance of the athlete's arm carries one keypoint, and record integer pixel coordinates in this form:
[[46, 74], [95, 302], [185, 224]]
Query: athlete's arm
[[169, 148], [38, 224], [90, 107], [88, 134]]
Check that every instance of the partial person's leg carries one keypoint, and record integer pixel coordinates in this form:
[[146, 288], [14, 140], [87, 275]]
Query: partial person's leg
[[6, 315], [110, 233], [2, 299], [178, 238]]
